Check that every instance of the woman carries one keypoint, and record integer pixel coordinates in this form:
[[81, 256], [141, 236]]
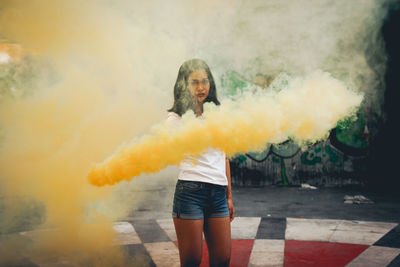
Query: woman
[[203, 197]]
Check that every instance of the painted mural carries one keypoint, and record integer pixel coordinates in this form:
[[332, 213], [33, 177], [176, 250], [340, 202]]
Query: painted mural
[[339, 160]]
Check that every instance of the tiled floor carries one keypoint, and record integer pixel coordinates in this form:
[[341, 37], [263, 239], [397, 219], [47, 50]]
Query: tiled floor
[[266, 241]]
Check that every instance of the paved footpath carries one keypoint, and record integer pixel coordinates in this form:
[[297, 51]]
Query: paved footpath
[[321, 232]]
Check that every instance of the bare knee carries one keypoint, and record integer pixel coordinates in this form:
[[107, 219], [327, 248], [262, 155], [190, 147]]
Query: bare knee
[[190, 258], [191, 262], [221, 263], [189, 234], [220, 260]]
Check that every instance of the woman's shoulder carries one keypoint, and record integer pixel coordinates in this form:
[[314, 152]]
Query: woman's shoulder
[[173, 119], [173, 115]]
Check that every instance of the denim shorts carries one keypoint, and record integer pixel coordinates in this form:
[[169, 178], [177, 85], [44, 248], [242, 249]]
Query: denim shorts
[[198, 200]]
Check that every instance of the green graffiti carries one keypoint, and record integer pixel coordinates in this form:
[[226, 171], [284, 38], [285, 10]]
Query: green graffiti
[[241, 159], [310, 158], [334, 158], [283, 173], [275, 159], [317, 150], [351, 131], [259, 155], [234, 83], [286, 149]]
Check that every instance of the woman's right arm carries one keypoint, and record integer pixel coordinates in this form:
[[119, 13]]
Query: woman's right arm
[[229, 190]]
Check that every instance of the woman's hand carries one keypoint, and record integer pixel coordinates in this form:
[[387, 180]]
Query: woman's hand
[[231, 209]]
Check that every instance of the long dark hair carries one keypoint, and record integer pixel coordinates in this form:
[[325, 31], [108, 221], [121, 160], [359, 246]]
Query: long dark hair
[[183, 101]]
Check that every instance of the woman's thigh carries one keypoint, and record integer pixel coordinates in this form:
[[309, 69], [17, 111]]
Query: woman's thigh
[[189, 234], [218, 237]]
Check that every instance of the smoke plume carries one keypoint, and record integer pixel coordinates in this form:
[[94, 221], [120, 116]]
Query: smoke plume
[[109, 78]]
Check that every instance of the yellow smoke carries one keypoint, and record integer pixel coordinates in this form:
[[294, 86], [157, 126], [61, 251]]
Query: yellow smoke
[[305, 111], [115, 64], [49, 139]]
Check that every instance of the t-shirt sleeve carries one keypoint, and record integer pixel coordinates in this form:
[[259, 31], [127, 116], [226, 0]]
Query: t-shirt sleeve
[[173, 120]]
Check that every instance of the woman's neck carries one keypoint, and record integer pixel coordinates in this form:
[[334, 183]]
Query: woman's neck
[[199, 109]]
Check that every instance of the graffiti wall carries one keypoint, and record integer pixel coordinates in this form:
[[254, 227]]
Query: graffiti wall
[[321, 164], [339, 160]]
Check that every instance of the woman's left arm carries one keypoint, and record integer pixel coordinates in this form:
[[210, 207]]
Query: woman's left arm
[[229, 191]]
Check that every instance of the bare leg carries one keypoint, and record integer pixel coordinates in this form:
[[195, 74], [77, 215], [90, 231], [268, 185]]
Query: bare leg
[[218, 237], [189, 234]]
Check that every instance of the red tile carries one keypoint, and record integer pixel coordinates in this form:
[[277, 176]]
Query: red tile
[[241, 250], [313, 253]]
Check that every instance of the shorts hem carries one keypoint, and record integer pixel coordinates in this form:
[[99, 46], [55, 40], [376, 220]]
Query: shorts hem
[[188, 216], [218, 215], [200, 216]]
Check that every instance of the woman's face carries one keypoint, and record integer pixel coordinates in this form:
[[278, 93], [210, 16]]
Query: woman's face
[[199, 85]]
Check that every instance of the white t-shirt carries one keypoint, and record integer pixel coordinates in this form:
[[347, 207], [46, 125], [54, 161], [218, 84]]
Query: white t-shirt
[[208, 167]]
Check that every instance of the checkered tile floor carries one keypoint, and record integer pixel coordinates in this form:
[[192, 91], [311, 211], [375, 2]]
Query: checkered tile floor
[[266, 241]]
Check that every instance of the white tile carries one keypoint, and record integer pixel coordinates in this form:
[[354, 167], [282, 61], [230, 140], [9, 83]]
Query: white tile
[[168, 226], [310, 229], [356, 232], [245, 227], [267, 253], [375, 256], [126, 234], [341, 231], [163, 254]]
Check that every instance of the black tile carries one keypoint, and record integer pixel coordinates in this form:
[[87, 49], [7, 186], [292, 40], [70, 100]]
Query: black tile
[[149, 231], [395, 262], [391, 239], [137, 255], [271, 228]]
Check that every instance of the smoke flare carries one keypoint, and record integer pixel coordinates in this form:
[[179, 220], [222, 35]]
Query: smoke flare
[[305, 111], [114, 67]]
